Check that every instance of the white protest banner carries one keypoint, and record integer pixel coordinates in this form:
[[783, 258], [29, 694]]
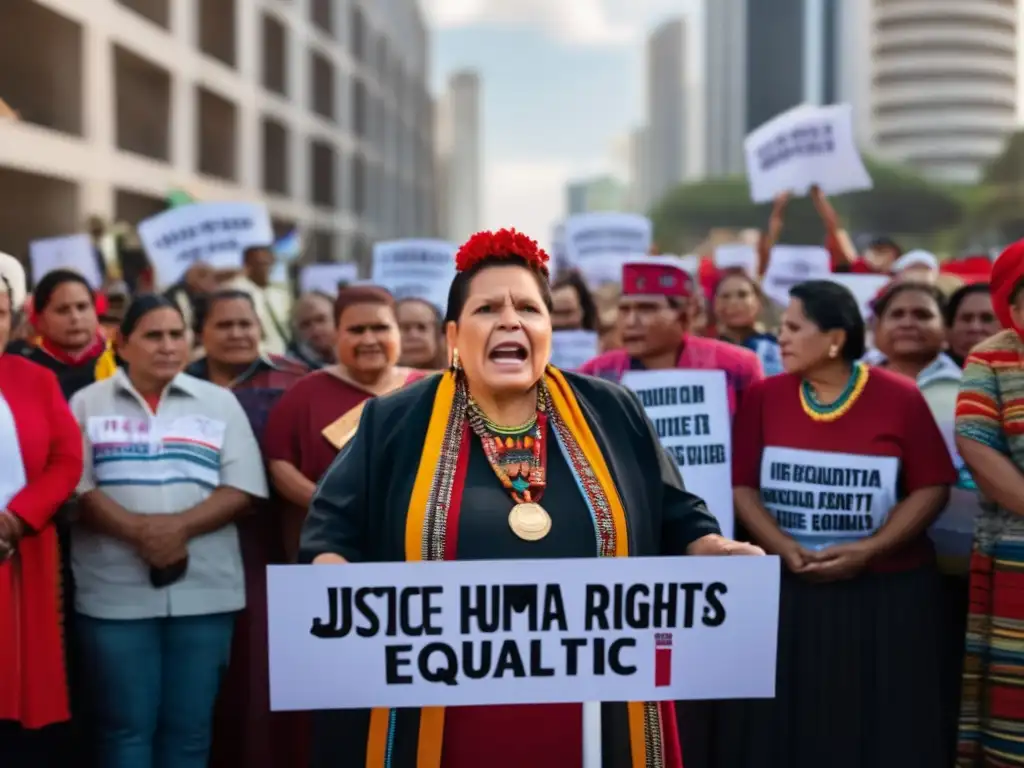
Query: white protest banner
[[325, 277], [738, 256], [790, 265], [216, 233], [469, 633], [417, 269], [822, 498], [605, 268], [571, 349], [803, 147], [863, 287], [690, 412], [589, 235], [74, 252]]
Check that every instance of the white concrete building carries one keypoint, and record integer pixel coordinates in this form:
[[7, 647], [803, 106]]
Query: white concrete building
[[460, 157], [944, 90], [318, 107]]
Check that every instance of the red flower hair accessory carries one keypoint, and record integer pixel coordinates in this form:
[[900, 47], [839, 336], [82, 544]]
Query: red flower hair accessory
[[502, 244]]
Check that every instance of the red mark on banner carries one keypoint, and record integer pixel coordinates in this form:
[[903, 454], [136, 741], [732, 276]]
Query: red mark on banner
[[662, 659]]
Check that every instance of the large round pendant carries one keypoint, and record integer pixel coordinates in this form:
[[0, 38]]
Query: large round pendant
[[529, 521]]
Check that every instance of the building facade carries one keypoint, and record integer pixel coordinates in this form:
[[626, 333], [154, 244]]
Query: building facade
[[459, 157], [667, 130], [320, 108], [943, 84], [761, 59]]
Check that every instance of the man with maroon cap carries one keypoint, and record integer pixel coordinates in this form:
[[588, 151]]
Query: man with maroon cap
[[656, 310]]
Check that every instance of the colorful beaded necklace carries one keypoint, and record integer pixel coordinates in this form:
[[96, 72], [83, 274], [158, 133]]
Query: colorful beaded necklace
[[518, 455], [854, 389]]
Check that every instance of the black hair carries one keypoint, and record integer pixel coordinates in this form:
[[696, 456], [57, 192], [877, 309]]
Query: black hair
[[43, 292], [958, 296], [573, 279], [416, 300], [204, 306], [142, 306], [459, 290], [832, 306], [882, 303]]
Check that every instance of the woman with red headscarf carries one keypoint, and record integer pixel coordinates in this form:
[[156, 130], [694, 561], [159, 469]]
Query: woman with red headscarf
[[65, 312], [990, 439]]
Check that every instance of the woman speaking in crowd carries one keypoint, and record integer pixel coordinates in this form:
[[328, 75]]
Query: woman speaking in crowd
[[840, 469], [738, 304], [315, 418], [40, 463], [536, 464], [990, 438], [171, 462]]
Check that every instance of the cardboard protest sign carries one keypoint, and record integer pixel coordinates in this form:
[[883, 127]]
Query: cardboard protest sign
[[74, 252], [215, 233], [415, 268], [690, 412], [571, 349], [593, 235], [804, 147], [467, 633], [790, 265]]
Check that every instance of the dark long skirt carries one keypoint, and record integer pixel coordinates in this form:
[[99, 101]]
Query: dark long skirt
[[859, 682]]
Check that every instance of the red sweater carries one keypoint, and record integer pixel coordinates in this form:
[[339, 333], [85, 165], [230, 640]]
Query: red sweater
[[33, 686]]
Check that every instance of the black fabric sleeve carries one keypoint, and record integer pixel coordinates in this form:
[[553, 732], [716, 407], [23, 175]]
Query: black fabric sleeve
[[338, 520], [684, 516]]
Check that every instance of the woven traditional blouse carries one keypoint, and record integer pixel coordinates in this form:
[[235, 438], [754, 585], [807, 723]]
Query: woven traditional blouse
[[990, 411]]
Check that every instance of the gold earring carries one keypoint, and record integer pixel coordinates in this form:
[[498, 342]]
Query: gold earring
[[833, 351], [455, 359]]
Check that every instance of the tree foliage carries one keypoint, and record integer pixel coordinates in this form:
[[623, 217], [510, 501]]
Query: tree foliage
[[900, 203]]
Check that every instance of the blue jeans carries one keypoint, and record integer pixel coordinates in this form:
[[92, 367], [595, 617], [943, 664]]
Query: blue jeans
[[152, 685]]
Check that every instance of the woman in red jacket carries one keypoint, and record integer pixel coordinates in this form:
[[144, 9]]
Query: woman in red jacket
[[40, 464]]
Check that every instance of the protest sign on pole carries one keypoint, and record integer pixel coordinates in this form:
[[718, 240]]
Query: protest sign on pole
[[415, 269], [790, 265], [325, 277], [74, 252], [803, 147], [215, 233], [469, 633], [690, 413], [592, 235], [571, 349]]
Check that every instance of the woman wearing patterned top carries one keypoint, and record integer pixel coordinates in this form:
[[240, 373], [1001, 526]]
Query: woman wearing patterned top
[[515, 501], [990, 438]]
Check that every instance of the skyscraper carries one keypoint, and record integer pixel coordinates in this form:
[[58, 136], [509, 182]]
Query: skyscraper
[[760, 60], [666, 109], [459, 154]]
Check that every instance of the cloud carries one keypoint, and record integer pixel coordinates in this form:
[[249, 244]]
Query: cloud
[[574, 22]]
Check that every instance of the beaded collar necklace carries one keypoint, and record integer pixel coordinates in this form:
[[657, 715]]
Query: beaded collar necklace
[[833, 411]]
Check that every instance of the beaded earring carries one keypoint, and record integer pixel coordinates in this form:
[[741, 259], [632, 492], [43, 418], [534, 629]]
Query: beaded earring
[[455, 359]]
